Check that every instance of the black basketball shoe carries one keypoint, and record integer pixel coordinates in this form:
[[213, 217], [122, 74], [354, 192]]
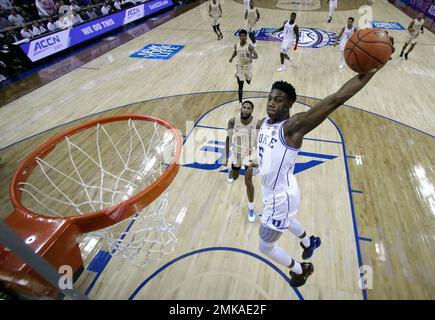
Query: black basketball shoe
[[298, 280]]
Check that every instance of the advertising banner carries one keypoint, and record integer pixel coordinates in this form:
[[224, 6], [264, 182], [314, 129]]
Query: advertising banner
[[61, 40]]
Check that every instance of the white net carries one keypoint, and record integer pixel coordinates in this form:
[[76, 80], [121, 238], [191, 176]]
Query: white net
[[100, 167], [146, 236]]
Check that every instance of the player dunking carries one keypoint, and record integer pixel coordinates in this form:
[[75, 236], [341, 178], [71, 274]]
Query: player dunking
[[332, 6], [345, 34], [215, 12], [242, 136], [291, 31], [252, 15], [279, 141], [245, 53], [414, 29]]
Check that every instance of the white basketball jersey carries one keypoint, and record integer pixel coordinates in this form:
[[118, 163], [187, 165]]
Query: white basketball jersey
[[289, 34], [252, 17], [214, 9], [416, 28], [346, 35], [244, 136], [276, 160], [243, 54]]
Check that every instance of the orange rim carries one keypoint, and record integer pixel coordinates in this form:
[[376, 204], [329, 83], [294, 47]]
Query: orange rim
[[109, 216]]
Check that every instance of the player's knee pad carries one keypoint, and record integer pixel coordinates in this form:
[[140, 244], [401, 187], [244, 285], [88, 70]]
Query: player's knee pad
[[266, 246]]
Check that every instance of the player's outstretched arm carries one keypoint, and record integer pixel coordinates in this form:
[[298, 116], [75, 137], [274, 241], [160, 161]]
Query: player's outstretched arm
[[307, 121], [280, 29]]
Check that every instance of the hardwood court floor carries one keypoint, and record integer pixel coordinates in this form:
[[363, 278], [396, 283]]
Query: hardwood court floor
[[323, 5], [383, 193], [215, 213]]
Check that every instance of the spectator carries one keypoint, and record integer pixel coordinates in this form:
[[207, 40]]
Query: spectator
[[4, 13], [75, 18], [105, 9], [26, 33], [30, 7], [63, 8], [51, 25], [117, 5], [45, 7], [20, 11], [12, 65], [4, 22], [74, 6], [10, 36], [64, 22], [38, 29], [6, 4], [90, 13], [15, 19]]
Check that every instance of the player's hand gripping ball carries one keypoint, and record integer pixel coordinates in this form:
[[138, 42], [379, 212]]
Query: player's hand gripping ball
[[368, 49]]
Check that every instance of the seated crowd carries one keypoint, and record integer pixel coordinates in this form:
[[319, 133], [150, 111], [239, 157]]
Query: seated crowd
[[21, 20]]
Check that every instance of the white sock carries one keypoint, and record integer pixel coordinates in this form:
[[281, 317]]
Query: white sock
[[297, 268], [331, 12], [282, 66], [342, 57], [276, 253], [306, 241], [250, 205], [296, 228]]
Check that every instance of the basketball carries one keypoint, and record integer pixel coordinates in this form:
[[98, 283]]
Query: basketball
[[368, 49]]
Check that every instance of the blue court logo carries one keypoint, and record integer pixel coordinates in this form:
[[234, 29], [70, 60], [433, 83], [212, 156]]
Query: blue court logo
[[158, 51], [308, 37], [387, 25], [218, 148]]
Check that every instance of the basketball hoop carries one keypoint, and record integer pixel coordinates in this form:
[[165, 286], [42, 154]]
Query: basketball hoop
[[90, 179]]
